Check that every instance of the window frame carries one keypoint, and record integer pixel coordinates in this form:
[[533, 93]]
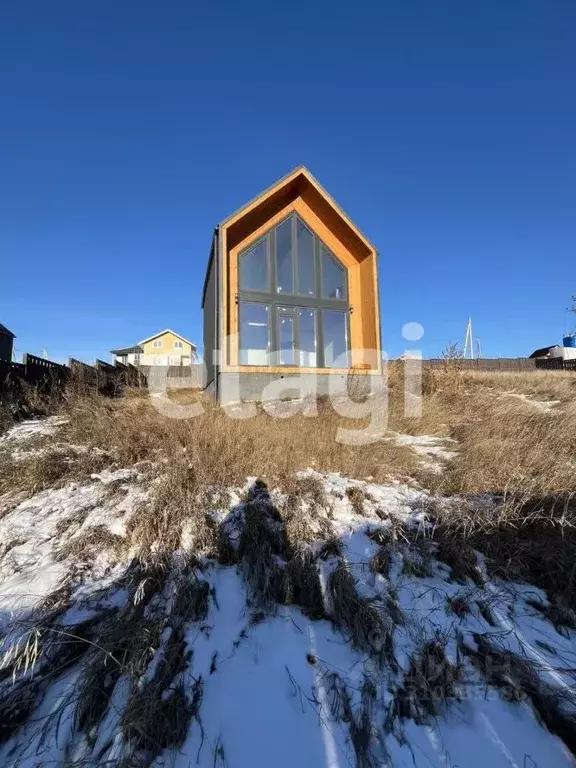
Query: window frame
[[273, 299], [269, 351], [270, 267]]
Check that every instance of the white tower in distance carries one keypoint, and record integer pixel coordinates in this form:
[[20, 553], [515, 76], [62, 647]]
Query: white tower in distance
[[469, 341]]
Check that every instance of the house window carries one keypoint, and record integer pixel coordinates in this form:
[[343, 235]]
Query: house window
[[284, 259], [306, 271], [286, 335], [254, 267], [335, 337], [307, 337], [333, 276], [254, 334], [157, 343], [178, 345], [293, 300]]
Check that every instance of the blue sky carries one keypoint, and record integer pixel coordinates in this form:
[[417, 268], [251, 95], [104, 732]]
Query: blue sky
[[446, 130]]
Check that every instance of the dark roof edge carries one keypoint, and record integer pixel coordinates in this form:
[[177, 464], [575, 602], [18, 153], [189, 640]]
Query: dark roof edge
[[210, 260], [542, 350], [6, 331], [126, 350]]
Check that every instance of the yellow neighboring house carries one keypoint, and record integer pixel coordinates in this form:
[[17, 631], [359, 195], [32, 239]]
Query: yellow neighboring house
[[164, 348]]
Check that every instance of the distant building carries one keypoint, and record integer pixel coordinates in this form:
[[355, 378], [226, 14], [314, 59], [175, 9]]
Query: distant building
[[554, 351], [6, 343], [164, 348], [545, 352]]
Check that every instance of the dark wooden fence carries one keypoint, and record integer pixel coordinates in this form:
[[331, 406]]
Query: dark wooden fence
[[50, 378], [556, 364], [504, 364], [484, 364]]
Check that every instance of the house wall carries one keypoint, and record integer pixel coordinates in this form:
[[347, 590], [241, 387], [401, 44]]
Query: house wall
[[362, 281], [210, 340], [241, 386], [162, 359], [6, 344], [167, 346]]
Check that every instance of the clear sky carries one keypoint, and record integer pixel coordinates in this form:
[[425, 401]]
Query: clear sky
[[128, 130]]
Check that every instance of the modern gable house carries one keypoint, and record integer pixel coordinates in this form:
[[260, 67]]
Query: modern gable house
[[6, 343], [165, 348], [290, 291]]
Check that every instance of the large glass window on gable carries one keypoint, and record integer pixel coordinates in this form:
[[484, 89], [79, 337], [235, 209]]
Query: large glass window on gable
[[292, 300], [253, 267], [284, 258], [333, 276], [305, 250]]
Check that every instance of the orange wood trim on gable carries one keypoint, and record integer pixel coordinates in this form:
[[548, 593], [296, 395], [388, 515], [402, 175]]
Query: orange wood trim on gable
[[330, 240], [363, 324]]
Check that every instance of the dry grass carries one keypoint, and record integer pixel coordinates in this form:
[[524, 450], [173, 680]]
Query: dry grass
[[506, 447], [523, 537], [429, 684], [367, 624], [519, 679], [91, 542], [502, 440]]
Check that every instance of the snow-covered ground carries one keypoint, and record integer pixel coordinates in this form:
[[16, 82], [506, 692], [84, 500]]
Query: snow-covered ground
[[432, 449], [545, 406], [262, 685], [33, 428]]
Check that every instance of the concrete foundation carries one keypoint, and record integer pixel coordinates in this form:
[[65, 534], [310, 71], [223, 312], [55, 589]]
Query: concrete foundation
[[257, 387]]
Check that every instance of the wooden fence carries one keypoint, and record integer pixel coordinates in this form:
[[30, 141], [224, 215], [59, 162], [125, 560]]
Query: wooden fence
[[484, 364], [556, 364], [51, 378]]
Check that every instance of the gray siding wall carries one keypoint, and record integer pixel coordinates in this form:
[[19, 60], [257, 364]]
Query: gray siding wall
[[210, 339], [233, 387], [5, 347]]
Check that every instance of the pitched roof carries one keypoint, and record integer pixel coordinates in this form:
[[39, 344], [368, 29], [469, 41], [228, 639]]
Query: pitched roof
[[126, 350], [161, 333], [290, 178], [6, 331], [543, 352]]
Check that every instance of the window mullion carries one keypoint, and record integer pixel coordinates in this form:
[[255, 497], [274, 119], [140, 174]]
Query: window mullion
[[296, 352], [320, 339], [295, 287], [272, 260]]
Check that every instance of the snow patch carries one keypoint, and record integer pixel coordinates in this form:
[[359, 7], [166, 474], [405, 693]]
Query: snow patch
[[430, 447], [546, 406], [33, 428]]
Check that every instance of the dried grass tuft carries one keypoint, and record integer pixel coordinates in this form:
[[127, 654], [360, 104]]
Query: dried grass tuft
[[369, 627], [158, 713], [518, 679], [429, 684], [302, 583], [262, 548], [91, 542]]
